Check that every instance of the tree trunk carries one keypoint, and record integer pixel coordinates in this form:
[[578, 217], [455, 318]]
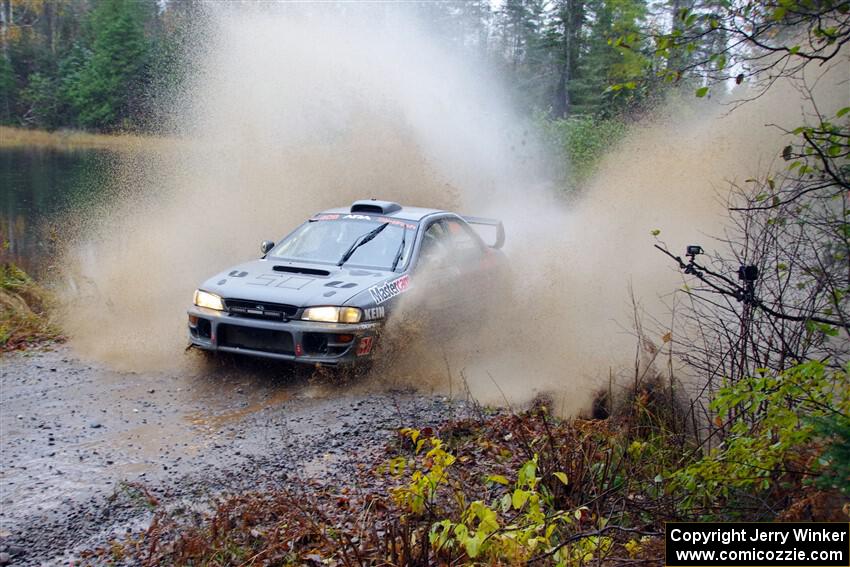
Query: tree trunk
[[5, 24], [674, 63], [572, 20], [562, 94], [49, 16]]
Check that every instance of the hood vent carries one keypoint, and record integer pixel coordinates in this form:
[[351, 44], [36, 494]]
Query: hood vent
[[301, 270]]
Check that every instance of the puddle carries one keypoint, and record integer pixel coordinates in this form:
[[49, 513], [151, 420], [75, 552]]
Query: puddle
[[218, 421]]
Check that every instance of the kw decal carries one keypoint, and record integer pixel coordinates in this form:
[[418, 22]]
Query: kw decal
[[325, 217], [340, 284], [386, 291], [372, 313]]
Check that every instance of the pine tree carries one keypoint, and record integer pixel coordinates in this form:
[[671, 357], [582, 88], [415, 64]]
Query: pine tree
[[602, 62], [107, 91]]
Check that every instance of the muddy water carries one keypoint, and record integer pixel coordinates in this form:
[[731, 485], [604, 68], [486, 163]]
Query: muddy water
[[37, 185]]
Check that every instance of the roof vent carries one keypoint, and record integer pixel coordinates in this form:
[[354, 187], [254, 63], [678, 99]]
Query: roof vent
[[374, 206]]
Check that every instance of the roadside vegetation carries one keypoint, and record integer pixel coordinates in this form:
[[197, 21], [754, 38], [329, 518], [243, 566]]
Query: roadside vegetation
[[24, 310]]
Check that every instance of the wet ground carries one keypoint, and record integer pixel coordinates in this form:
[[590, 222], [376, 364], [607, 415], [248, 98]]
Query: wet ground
[[77, 438]]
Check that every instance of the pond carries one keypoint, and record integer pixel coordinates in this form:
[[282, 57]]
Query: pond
[[40, 188]]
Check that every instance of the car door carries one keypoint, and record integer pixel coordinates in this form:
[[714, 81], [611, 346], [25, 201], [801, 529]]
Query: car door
[[437, 273], [468, 255]]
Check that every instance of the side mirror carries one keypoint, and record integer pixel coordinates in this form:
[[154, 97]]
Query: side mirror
[[266, 246]]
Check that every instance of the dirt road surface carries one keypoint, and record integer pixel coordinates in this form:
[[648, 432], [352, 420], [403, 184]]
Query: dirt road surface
[[75, 436]]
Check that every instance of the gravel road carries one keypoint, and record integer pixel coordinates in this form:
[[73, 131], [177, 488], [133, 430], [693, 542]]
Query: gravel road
[[74, 434]]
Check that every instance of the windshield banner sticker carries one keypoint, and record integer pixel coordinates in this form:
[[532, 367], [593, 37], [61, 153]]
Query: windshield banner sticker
[[384, 292], [394, 222]]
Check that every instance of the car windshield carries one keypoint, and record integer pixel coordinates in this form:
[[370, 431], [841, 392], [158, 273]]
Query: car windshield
[[327, 241]]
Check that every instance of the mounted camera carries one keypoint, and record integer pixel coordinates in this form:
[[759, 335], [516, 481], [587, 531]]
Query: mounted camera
[[692, 251]]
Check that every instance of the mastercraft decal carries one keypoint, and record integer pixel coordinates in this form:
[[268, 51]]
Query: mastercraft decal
[[383, 292]]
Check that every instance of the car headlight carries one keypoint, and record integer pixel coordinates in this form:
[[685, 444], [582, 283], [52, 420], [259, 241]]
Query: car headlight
[[333, 314], [208, 300]]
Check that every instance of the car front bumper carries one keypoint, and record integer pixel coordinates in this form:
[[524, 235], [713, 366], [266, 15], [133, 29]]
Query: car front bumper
[[306, 342]]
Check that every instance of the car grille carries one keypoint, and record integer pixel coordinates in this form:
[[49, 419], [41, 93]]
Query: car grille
[[259, 309], [265, 340]]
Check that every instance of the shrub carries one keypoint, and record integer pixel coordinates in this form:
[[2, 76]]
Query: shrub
[[775, 427], [23, 309], [581, 142]]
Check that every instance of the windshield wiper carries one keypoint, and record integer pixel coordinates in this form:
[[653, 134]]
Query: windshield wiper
[[360, 241], [400, 250]]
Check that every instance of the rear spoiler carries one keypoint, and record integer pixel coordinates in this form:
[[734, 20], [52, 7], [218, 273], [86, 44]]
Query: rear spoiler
[[492, 231]]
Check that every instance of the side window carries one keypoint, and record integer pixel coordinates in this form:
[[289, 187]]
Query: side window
[[435, 245], [465, 244]]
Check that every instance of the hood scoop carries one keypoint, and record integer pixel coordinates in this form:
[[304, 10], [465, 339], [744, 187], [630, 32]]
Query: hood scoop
[[301, 270]]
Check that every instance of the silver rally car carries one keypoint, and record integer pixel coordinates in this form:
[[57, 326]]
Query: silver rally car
[[322, 294]]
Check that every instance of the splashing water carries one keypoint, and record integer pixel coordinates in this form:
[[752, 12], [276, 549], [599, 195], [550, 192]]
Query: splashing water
[[292, 111]]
